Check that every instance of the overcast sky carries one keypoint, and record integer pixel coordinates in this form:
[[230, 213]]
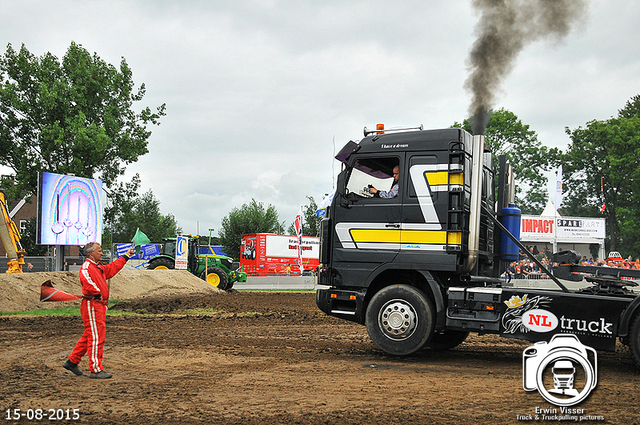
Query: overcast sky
[[261, 93]]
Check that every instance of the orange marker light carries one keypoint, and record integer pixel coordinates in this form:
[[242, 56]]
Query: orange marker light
[[352, 297], [334, 295]]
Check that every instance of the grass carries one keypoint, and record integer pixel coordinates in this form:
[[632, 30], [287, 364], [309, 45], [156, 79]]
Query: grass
[[203, 311], [290, 291], [73, 310]]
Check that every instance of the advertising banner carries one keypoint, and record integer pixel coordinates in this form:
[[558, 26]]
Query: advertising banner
[[182, 252], [564, 228], [147, 251], [263, 254], [287, 246]]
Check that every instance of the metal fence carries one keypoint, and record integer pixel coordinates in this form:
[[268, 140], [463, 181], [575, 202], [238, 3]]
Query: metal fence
[[40, 264]]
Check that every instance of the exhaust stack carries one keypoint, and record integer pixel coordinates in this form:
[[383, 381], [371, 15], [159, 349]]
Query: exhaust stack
[[475, 207]]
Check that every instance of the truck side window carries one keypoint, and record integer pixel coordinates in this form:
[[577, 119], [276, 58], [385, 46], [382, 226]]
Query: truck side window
[[371, 172], [430, 162]]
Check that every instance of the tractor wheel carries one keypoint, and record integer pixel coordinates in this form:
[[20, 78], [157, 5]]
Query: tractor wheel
[[634, 339], [447, 340], [161, 263], [215, 276], [400, 319]]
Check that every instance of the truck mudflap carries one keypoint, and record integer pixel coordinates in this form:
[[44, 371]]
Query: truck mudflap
[[345, 304], [537, 315]]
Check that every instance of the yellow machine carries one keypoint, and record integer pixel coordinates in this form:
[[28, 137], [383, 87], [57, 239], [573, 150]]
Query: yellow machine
[[10, 237]]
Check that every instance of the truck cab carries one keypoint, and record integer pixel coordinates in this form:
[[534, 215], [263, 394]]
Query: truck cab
[[429, 236], [429, 215], [421, 267]]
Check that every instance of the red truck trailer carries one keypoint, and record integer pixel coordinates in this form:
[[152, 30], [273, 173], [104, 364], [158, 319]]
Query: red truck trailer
[[266, 254]]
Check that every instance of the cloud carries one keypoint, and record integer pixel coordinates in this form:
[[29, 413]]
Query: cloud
[[258, 92]]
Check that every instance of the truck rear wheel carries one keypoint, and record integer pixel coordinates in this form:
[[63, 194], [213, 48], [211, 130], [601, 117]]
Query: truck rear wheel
[[634, 339], [400, 319], [447, 340], [161, 263], [215, 276]]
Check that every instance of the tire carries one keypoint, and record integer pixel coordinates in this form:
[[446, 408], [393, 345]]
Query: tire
[[447, 340], [400, 319], [216, 277], [634, 339], [161, 263]]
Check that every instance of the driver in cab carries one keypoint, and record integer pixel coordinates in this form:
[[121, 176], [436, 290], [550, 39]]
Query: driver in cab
[[393, 192]]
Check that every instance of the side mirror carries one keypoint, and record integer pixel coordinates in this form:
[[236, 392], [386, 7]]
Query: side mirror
[[349, 199]]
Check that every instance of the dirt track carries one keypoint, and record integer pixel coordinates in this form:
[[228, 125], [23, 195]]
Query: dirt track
[[274, 358]]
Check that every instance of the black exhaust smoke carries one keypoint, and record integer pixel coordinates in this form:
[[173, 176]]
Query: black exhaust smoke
[[504, 29]]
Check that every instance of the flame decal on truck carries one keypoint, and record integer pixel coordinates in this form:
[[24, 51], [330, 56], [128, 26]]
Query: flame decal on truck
[[512, 320]]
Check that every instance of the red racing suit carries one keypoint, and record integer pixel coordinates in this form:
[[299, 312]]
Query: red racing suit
[[95, 294]]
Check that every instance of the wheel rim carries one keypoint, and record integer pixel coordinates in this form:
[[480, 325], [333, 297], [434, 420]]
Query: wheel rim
[[397, 319], [213, 279], [161, 268]]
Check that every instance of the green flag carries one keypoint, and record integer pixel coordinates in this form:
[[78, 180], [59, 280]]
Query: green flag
[[139, 239]]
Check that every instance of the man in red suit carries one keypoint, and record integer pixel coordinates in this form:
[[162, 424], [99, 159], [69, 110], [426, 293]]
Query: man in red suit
[[95, 294]]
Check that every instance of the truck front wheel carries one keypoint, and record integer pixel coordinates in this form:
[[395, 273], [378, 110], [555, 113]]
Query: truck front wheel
[[400, 319], [447, 340], [215, 276]]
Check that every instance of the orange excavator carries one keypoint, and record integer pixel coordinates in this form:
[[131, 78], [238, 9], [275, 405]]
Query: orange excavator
[[10, 237]]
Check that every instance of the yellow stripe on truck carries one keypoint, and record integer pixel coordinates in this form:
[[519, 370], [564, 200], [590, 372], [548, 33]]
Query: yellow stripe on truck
[[424, 236], [443, 177], [406, 236], [438, 178], [456, 179], [374, 235]]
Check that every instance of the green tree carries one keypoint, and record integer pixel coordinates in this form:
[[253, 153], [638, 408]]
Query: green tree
[[250, 218], [631, 109], [28, 240], [507, 135], [143, 212], [311, 222], [73, 116], [603, 159], [120, 202]]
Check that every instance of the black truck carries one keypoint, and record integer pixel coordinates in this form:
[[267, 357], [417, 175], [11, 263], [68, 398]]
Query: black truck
[[422, 268]]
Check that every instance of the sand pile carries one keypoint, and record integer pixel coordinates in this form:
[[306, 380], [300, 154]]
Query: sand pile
[[21, 291]]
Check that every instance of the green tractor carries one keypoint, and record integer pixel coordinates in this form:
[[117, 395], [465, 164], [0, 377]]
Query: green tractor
[[217, 270]]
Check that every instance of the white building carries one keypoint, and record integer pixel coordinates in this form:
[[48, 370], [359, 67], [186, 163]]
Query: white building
[[551, 230]]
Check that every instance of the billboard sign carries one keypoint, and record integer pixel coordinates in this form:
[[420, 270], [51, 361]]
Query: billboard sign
[[69, 210]]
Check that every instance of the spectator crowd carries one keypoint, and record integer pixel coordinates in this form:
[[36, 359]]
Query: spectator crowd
[[525, 268]]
